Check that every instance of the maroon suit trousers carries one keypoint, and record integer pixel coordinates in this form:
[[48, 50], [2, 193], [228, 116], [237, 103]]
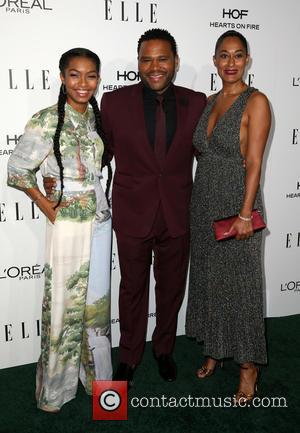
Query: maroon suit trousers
[[170, 268]]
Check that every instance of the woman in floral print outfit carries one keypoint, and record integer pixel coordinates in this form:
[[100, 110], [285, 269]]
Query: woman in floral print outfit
[[63, 141]]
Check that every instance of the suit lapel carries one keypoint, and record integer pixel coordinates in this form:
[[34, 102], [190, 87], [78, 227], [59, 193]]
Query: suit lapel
[[136, 108], [182, 104], [136, 112]]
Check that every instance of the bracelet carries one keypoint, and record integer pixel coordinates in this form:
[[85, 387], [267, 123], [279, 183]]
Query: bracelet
[[246, 219]]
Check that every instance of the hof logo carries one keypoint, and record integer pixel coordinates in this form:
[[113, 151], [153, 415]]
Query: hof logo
[[237, 15], [22, 273], [295, 194], [24, 6], [120, 10], [125, 76], [291, 286], [128, 76], [10, 140]]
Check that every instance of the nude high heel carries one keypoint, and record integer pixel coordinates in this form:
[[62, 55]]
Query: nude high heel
[[204, 371], [243, 399]]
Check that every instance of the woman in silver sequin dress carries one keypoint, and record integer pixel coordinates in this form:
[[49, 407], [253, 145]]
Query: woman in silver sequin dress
[[225, 306]]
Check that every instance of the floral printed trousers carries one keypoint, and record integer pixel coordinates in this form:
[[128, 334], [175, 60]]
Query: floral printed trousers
[[75, 340]]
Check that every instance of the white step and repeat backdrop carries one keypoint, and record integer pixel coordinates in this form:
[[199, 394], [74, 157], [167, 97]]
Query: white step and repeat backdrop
[[35, 33]]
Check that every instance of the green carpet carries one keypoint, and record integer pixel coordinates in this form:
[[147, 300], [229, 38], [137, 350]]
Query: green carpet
[[279, 379]]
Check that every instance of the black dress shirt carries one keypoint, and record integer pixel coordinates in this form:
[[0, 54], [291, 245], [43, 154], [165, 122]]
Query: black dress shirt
[[169, 106]]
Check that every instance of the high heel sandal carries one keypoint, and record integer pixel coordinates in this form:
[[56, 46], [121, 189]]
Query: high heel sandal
[[49, 409], [204, 371], [241, 398]]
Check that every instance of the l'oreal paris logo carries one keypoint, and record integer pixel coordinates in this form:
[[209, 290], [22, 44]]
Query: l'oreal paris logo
[[22, 272], [25, 6], [291, 286]]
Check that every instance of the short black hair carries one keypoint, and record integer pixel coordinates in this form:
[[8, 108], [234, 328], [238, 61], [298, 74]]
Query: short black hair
[[162, 34], [232, 34]]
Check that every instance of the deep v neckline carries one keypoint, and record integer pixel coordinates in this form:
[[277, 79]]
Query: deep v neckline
[[208, 137]]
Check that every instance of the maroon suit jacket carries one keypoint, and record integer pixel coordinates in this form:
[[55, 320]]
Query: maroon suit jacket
[[139, 184]]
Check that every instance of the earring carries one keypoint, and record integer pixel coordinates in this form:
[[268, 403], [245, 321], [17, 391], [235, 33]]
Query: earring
[[63, 88]]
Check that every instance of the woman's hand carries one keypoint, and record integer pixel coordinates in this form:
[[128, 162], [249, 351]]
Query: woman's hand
[[242, 228], [45, 205], [49, 184]]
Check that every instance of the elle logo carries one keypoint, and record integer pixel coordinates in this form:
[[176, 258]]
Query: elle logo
[[292, 240], [16, 213], [26, 79], [295, 136], [12, 332], [213, 81], [125, 13]]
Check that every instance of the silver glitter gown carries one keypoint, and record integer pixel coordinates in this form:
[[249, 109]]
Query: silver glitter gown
[[225, 303]]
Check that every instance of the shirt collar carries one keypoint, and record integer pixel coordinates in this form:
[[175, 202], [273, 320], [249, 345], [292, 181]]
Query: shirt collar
[[151, 94], [76, 117]]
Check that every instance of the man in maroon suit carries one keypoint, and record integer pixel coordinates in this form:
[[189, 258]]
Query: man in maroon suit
[[149, 128]]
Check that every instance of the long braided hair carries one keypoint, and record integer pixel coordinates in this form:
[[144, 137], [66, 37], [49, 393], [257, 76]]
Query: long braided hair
[[105, 159], [62, 98]]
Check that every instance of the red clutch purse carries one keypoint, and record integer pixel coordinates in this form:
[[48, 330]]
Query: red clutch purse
[[223, 225]]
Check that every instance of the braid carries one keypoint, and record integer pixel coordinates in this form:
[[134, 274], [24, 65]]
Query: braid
[[105, 159], [56, 145]]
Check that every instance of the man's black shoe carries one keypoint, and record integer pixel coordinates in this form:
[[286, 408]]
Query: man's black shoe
[[167, 367], [124, 372]]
